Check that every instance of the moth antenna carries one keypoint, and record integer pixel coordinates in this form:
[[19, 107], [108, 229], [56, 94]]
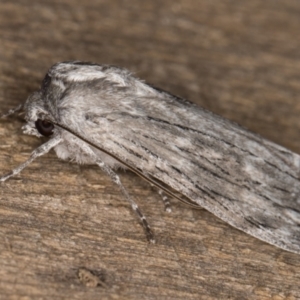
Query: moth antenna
[[12, 111], [41, 150]]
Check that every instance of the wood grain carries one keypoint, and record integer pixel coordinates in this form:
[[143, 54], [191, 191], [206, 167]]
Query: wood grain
[[65, 231]]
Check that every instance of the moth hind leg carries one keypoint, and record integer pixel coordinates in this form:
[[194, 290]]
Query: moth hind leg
[[164, 199], [116, 179]]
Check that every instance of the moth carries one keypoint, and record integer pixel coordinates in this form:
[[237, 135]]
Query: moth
[[103, 115]]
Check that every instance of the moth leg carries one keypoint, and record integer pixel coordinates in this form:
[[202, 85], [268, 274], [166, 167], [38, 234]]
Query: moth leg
[[116, 179], [41, 150], [164, 199], [12, 111]]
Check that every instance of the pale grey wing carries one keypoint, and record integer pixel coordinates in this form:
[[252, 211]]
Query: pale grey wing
[[245, 180]]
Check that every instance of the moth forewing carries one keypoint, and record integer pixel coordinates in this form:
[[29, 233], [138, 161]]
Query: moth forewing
[[105, 116]]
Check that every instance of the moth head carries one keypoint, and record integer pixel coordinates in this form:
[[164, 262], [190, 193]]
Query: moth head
[[37, 116], [40, 107]]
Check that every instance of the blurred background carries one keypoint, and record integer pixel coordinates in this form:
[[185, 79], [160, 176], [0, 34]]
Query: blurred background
[[239, 59]]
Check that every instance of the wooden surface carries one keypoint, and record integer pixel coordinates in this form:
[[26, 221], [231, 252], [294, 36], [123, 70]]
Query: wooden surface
[[65, 231]]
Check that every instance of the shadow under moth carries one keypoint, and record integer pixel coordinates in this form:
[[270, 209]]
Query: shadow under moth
[[99, 114]]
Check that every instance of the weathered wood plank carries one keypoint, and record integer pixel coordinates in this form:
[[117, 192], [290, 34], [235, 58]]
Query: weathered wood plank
[[238, 59]]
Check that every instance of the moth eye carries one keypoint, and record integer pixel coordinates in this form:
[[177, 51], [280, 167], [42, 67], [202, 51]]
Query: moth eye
[[43, 127]]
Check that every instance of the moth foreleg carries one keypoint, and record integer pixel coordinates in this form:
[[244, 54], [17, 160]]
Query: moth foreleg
[[41, 150]]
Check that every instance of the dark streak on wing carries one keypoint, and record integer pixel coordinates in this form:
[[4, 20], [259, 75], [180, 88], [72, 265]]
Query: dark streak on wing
[[281, 189], [201, 132], [281, 171], [204, 158], [201, 167], [130, 151], [223, 141], [254, 222]]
